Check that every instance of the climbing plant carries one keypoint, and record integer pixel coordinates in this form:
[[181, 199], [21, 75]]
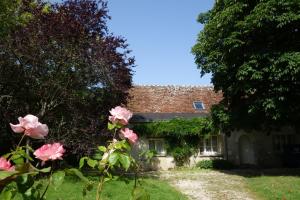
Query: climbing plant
[[177, 127], [181, 135]]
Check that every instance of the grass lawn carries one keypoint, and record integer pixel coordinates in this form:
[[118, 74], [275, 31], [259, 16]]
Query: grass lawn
[[114, 190], [275, 187]]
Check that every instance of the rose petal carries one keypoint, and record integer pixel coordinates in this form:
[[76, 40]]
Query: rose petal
[[17, 128], [40, 132], [30, 121]]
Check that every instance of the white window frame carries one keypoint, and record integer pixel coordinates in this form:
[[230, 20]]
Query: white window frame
[[208, 149], [156, 140], [194, 105]]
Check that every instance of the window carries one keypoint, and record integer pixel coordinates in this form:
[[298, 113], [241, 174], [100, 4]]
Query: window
[[281, 141], [157, 145], [198, 105], [209, 145]]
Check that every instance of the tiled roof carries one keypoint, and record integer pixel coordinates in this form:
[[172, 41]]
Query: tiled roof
[[171, 99]]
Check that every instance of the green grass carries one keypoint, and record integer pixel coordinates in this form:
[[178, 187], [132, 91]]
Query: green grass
[[114, 190], [275, 187]]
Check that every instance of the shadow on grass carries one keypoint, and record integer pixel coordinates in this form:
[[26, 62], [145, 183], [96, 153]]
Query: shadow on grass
[[256, 172]]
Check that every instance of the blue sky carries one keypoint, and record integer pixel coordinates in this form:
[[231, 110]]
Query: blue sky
[[160, 34]]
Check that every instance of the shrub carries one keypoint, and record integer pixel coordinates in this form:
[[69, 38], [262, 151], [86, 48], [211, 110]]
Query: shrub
[[215, 164], [182, 155], [205, 164]]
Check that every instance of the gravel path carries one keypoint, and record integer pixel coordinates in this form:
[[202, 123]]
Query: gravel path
[[209, 185]]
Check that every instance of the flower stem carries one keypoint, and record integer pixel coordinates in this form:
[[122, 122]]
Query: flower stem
[[99, 188], [27, 149], [49, 181], [20, 141]]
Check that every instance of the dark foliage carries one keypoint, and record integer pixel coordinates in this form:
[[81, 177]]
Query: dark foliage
[[251, 47], [66, 68], [215, 164]]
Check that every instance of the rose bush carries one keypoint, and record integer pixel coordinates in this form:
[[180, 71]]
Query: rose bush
[[116, 155], [22, 171], [16, 168]]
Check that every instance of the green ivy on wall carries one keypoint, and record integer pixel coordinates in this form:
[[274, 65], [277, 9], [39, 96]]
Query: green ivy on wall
[[177, 127], [181, 135]]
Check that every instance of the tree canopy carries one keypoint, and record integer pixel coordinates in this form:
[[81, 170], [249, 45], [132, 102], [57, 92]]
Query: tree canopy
[[64, 66], [252, 50]]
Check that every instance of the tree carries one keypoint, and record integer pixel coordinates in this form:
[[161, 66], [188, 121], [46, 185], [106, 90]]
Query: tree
[[252, 49], [65, 67]]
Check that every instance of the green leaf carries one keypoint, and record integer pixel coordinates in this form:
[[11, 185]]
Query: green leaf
[[24, 182], [76, 172], [102, 148], [118, 145], [92, 163], [17, 159], [140, 193], [111, 126], [6, 174], [45, 170], [113, 158], [6, 195], [97, 156], [57, 179], [125, 161], [81, 161]]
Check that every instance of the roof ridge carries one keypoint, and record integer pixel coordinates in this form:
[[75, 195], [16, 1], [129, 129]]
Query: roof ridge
[[183, 86]]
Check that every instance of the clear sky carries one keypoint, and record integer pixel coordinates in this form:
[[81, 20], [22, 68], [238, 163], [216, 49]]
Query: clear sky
[[160, 34]]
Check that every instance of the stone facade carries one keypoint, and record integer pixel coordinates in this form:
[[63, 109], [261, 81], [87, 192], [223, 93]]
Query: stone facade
[[152, 103], [166, 162], [261, 149]]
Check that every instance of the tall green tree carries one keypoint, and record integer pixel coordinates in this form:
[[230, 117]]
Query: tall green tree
[[12, 15], [252, 50], [65, 67]]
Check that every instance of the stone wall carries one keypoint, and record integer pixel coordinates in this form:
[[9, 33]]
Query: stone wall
[[260, 151], [167, 162]]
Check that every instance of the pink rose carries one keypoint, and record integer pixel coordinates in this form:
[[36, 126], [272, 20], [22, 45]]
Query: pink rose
[[5, 165], [50, 152], [31, 126], [129, 134], [120, 115]]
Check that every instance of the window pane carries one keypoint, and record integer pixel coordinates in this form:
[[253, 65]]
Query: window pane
[[151, 145], [214, 140], [198, 105], [201, 149], [207, 144], [159, 146]]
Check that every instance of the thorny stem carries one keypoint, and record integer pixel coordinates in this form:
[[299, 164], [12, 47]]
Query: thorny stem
[[101, 182]]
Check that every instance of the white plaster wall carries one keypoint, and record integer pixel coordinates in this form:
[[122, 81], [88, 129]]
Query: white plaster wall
[[167, 162]]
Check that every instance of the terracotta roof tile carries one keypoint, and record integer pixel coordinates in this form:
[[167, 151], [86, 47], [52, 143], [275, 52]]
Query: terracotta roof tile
[[171, 99]]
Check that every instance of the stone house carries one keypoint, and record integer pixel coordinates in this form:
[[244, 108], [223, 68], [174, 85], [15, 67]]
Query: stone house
[[157, 103]]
